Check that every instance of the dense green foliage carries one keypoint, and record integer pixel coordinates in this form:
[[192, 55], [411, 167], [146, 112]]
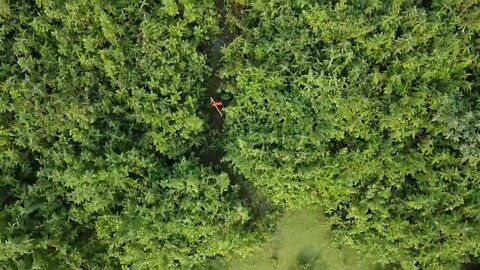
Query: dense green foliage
[[370, 108], [100, 117]]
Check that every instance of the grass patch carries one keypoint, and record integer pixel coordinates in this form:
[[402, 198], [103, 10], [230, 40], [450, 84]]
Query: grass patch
[[302, 242]]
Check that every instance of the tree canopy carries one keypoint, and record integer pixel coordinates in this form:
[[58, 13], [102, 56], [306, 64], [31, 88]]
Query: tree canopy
[[100, 108], [369, 110]]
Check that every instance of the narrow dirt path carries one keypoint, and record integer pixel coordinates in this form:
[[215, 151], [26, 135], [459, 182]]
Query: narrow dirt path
[[213, 155], [214, 55], [214, 148]]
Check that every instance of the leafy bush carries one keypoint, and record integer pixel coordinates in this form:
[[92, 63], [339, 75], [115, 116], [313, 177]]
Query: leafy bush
[[100, 120], [369, 108]]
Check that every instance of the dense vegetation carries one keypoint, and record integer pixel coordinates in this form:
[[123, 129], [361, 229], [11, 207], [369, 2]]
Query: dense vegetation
[[368, 109], [100, 110]]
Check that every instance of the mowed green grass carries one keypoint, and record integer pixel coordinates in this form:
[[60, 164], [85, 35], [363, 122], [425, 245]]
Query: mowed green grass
[[302, 242]]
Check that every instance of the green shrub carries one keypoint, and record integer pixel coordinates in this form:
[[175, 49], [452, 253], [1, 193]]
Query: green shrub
[[369, 108], [99, 125]]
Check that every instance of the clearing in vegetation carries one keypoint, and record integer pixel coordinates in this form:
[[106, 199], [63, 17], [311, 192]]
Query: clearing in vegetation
[[302, 242]]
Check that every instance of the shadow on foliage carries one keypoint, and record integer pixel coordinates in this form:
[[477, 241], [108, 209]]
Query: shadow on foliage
[[470, 266], [308, 260]]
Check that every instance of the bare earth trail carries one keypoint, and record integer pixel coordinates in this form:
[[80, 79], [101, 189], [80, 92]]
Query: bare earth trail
[[214, 151]]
